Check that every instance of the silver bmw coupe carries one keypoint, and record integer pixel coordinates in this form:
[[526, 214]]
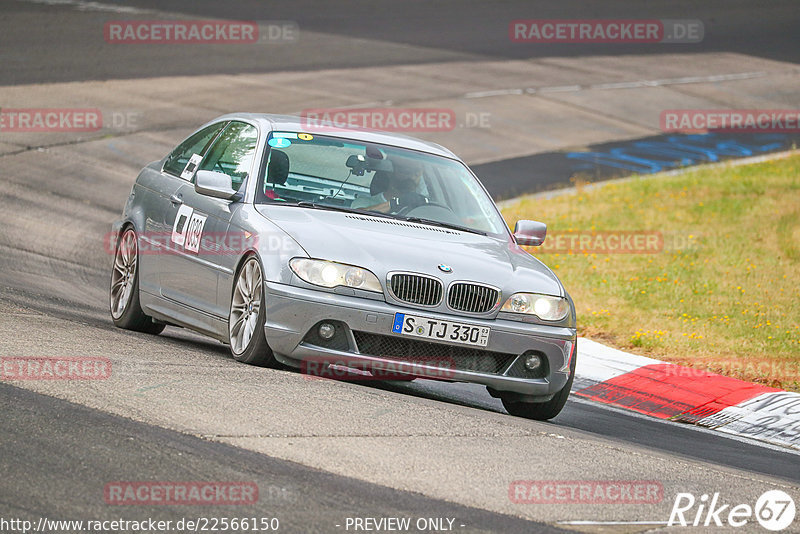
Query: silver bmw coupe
[[318, 247]]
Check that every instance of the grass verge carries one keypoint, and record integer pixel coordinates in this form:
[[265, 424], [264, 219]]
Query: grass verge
[[718, 289]]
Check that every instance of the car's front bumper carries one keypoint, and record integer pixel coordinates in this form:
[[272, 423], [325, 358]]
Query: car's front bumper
[[292, 312]]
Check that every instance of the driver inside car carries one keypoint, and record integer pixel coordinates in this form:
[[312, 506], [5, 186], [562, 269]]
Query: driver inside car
[[405, 171], [392, 192], [381, 191]]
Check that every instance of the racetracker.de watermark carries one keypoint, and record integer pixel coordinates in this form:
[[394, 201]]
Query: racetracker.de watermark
[[167, 493], [50, 120], [387, 119], [730, 120], [586, 492], [208, 243], [200, 32], [54, 368], [55, 120], [607, 242], [788, 370], [606, 31], [358, 371]]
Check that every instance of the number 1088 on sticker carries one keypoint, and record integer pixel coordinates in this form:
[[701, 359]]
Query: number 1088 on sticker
[[194, 232]]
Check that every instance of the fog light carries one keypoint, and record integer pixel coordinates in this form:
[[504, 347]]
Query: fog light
[[532, 362], [326, 330]]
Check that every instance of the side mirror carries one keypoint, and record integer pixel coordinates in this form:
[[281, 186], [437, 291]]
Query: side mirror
[[214, 184], [530, 233]]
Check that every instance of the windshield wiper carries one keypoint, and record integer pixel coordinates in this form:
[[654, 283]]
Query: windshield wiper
[[443, 224], [315, 205], [358, 211]]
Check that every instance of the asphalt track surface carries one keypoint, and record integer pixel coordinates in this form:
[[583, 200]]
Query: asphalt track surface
[[179, 408], [42, 430], [391, 32]]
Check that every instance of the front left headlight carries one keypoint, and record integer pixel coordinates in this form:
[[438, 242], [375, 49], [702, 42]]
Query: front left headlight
[[545, 307], [331, 274]]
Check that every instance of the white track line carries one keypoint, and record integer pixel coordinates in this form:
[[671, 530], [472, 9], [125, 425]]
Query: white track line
[[586, 523], [620, 85], [83, 5]]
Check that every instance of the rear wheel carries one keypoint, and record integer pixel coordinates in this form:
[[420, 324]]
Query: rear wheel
[[247, 316], [126, 312], [542, 411]]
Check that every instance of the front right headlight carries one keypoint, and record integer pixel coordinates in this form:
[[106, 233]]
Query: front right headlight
[[545, 307], [331, 274]]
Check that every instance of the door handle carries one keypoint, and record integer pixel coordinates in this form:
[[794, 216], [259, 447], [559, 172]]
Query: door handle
[[176, 199]]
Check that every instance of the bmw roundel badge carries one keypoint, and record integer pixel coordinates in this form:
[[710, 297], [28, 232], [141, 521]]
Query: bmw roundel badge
[[445, 268]]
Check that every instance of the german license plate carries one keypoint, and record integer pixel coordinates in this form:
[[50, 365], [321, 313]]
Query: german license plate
[[439, 330]]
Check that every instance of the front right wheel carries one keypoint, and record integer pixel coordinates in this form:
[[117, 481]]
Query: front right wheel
[[247, 316], [542, 411]]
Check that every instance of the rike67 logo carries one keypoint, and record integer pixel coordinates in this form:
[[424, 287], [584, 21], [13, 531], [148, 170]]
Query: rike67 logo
[[774, 510]]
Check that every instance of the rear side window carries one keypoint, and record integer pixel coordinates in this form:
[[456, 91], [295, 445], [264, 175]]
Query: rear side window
[[195, 144]]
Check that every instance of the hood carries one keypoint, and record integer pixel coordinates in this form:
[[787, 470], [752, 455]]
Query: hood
[[383, 245]]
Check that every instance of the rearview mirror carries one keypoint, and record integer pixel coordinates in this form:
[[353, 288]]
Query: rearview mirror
[[360, 164], [530, 233], [357, 163], [214, 184]]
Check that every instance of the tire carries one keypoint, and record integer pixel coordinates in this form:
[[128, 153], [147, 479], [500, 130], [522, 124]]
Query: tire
[[401, 380], [247, 315], [542, 411], [123, 293]]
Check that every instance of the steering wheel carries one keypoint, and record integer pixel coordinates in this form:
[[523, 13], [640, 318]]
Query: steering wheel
[[405, 210]]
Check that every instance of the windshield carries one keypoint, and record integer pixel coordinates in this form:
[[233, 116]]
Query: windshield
[[330, 172]]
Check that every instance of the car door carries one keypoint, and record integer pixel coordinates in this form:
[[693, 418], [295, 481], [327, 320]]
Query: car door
[[159, 198], [206, 252]]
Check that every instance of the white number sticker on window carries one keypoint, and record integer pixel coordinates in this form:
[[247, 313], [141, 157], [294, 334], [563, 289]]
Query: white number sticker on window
[[191, 166]]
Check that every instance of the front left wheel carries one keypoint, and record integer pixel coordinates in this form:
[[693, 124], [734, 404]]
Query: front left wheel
[[246, 319], [126, 311]]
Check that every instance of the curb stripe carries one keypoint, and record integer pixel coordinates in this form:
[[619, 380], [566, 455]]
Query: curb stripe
[[665, 391], [686, 395], [772, 417]]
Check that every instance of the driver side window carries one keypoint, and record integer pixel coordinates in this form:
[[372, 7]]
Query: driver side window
[[233, 152], [195, 144]]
